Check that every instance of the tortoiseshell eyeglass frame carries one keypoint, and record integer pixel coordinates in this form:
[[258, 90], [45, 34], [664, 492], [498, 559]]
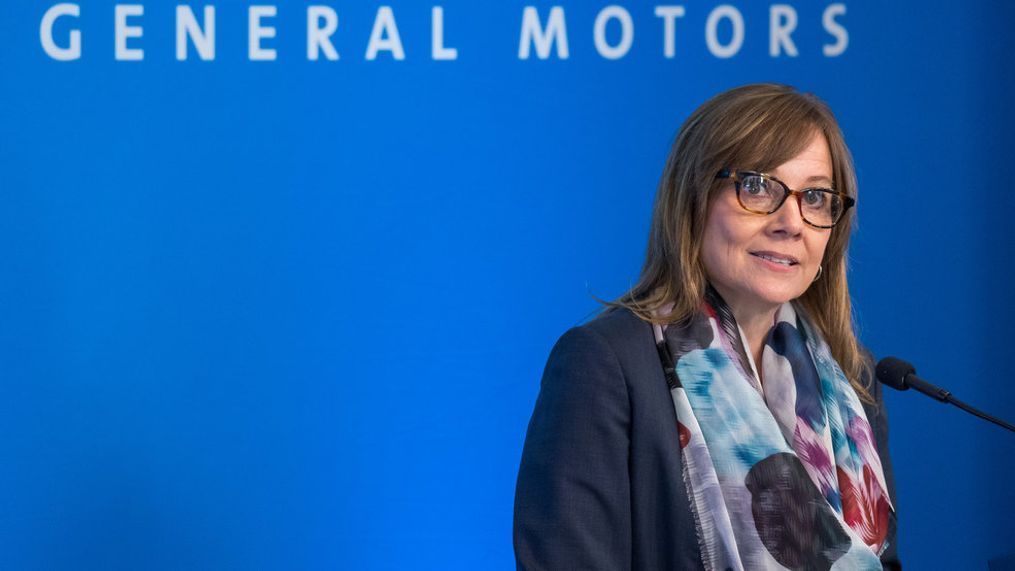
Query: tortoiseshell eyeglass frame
[[847, 201]]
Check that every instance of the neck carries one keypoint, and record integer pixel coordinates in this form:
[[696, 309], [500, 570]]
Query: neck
[[756, 327], [755, 321]]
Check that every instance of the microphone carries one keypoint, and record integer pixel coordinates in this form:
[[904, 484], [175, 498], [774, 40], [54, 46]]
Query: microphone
[[901, 375]]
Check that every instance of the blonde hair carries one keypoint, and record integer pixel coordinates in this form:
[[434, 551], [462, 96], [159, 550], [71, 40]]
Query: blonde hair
[[756, 127]]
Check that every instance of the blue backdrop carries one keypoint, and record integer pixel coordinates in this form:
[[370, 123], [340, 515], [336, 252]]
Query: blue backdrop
[[292, 314]]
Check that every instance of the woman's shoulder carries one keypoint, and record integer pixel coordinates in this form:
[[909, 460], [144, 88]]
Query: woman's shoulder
[[618, 324], [615, 332]]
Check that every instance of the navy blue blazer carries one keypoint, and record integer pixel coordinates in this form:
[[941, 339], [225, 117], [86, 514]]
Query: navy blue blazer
[[600, 484]]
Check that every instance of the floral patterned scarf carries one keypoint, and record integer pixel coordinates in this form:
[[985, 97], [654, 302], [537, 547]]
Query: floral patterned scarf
[[780, 476]]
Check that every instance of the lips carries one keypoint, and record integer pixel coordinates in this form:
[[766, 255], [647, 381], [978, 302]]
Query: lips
[[776, 258]]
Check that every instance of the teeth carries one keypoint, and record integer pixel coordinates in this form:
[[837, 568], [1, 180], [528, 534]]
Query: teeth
[[782, 261]]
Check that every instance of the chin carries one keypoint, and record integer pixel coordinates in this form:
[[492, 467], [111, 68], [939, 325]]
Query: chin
[[780, 294]]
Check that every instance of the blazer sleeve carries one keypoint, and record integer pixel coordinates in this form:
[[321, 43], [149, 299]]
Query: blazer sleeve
[[572, 501], [878, 418]]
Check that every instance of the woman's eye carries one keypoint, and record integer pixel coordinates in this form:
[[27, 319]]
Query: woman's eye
[[755, 186], [814, 198]]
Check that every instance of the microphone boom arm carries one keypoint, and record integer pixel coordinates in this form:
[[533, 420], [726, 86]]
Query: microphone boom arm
[[901, 375]]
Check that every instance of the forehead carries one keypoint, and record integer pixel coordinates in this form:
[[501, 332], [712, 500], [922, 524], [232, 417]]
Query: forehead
[[812, 164]]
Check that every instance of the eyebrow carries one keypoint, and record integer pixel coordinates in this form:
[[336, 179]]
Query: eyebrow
[[811, 179], [819, 178]]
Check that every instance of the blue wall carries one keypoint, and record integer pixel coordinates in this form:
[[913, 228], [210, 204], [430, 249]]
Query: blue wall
[[293, 314]]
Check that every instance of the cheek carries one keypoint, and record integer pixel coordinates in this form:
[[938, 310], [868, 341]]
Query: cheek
[[818, 247], [712, 247], [722, 237]]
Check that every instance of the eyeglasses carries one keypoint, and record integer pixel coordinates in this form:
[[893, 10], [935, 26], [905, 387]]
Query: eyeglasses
[[763, 194]]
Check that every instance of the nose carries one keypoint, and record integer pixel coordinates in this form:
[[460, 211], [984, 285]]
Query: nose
[[788, 220]]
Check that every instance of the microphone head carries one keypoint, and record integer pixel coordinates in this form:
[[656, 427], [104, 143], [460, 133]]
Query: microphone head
[[893, 372]]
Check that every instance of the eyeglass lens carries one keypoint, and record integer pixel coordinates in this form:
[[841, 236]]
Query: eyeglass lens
[[820, 207]]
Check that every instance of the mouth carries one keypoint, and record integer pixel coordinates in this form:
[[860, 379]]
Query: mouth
[[776, 258]]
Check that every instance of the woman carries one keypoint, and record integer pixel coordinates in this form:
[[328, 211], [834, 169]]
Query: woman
[[720, 414]]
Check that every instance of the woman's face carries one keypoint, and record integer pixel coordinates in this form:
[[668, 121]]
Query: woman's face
[[737, 242]]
